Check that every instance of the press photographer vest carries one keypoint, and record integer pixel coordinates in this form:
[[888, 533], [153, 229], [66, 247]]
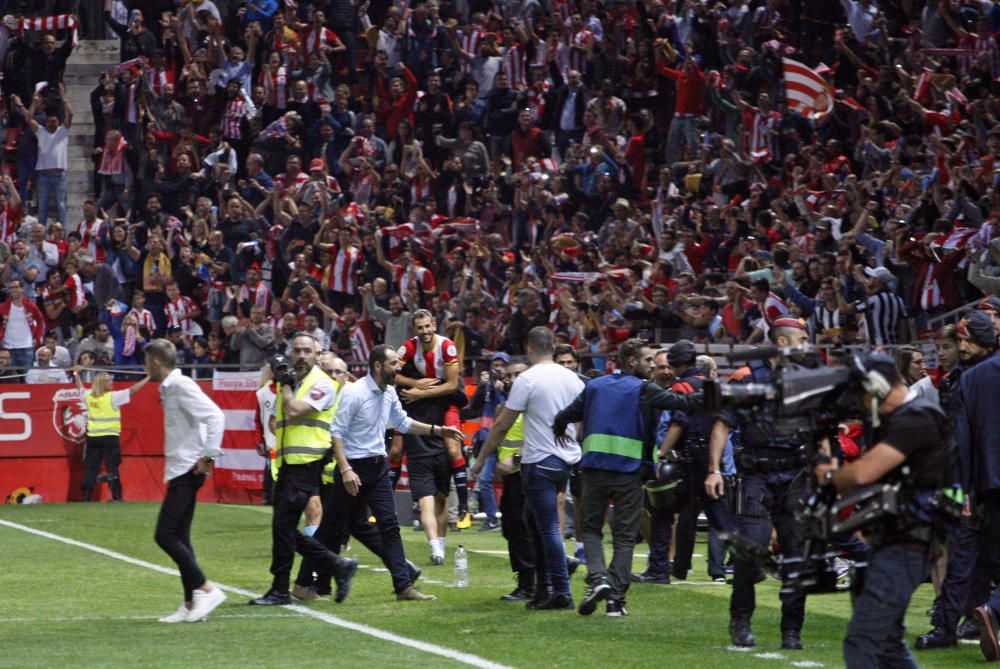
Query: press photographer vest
[[307, 438], [613, 427]]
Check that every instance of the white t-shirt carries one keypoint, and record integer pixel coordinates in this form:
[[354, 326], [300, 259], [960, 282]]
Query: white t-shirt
[[18, 332], [53, 148], [539, 394]]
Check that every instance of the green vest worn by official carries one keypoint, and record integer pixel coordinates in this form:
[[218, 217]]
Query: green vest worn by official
[[307, 438], [103, 419], [512, 443]]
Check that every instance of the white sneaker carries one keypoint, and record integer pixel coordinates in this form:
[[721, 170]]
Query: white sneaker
[[178, 616], [205, 603]]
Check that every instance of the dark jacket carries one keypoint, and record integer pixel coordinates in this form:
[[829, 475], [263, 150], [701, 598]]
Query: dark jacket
[[977, 427]]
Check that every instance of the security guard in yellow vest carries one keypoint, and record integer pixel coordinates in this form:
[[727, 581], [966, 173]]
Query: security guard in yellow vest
[[519, 546], [104, 428], [312, 582], [304, 410]]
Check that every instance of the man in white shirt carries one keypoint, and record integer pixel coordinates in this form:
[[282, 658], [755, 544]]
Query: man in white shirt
[[361, 481], [193, 427], [539, 394], [53, 153]]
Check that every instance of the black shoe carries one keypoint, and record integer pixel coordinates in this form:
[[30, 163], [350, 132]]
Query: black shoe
[[967, 630], [414, 570], [740, 633], [595, 593], [489, 526], [651, 577], [936, 638], [678, 573], [343, 574], [541, 595], [272, 598], [989, 630], [615, 609], [791, 640], [518, 594], [557, 603], [572, 564]]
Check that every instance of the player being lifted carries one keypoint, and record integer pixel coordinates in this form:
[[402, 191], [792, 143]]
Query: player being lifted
[[432, 368]]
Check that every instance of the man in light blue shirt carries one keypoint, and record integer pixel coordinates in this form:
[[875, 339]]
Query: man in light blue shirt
[[367, 409]]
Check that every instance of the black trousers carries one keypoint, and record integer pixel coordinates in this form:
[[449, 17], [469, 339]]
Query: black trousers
[[519, 546], [296, 484], [350, 514], [173, 528], [109, 450], [366, 533]]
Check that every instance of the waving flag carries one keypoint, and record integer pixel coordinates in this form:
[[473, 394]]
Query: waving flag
[[806, 92]]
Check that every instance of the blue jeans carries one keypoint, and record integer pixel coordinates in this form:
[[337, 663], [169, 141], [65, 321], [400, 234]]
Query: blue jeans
[[543, 481], [51, 184], [22, 358], [682, 129], [487, 495], [875, 633]]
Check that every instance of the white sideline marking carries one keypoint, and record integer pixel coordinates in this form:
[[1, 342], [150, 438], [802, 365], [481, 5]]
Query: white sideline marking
[[807, 663], [458, 656], [84, 619], [770, 656]]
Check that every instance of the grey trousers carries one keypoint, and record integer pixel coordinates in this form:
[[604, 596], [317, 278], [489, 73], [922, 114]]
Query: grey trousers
[[625, 491]]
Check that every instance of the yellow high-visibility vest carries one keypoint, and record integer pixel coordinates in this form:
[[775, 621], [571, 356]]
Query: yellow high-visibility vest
[[512, 442], [103, 419], [307, 438]]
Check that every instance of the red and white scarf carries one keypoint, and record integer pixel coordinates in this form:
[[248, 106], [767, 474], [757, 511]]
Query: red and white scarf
[[51, 24], [276, 87], [113, 162]]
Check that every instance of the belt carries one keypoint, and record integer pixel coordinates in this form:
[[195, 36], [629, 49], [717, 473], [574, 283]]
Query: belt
[[53, 170], [679, 115], [371, 460]]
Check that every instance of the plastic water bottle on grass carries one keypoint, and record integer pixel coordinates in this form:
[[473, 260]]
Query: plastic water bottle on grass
[[461, 567]]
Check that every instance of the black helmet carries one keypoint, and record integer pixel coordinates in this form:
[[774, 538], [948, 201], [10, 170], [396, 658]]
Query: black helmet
[[669, 485]]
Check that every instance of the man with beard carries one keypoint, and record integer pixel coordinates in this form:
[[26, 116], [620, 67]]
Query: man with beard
[[361, 479], [303, 412], [434, 362], [397, 319], [964, 586]]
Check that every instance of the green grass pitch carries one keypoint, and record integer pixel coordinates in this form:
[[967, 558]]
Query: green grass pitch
[[67, 606]]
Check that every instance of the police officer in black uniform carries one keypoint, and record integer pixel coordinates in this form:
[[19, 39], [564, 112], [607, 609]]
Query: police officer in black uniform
[[912, 447], [771, 481], [687, 437]]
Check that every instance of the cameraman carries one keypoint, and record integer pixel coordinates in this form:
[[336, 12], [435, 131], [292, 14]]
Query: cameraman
[[768, 486], [911, 432]]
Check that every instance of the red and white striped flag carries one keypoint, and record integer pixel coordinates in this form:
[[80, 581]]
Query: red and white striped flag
[[955, 240], [51, 24], [240, 466], [806, 92], [546, 165], [576, 277]]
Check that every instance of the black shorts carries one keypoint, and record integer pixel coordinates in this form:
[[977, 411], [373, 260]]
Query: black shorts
[[429, 475]]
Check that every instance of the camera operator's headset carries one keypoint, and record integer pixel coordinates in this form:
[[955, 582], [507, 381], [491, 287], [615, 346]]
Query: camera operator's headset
[[876, 371]]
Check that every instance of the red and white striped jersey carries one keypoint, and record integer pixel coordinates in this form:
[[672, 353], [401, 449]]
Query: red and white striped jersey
[[314, 40], [175, 309], [145, 319], [360, 336], [158, 77], [89, 234], [432, 362], [760, 132], [75, 295], [470, 44], [257, 296], [578, 58], [236, 110], [344, 264], [514, 66], [980, 44], [10, 221], [423, 276], [282, 180], [774, 308]]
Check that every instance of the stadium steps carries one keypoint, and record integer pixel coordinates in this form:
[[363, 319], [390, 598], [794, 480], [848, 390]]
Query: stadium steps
[[83, 70]]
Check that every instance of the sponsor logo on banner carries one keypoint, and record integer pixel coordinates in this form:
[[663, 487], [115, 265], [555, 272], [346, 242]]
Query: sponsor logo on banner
[[69, 415], [236, 381]]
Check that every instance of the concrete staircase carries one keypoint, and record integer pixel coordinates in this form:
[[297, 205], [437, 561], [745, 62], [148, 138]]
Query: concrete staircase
[[83, 70]]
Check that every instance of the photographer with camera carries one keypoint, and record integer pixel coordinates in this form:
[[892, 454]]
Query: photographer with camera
[[304, 411], [913, 448], [768, 485]]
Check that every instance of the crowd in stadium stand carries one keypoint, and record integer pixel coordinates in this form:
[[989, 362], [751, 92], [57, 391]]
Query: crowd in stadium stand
[[609, 168]]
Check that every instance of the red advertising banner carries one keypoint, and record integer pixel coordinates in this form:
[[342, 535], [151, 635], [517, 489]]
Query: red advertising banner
[[43, 429]]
